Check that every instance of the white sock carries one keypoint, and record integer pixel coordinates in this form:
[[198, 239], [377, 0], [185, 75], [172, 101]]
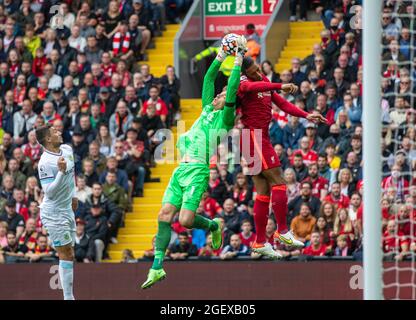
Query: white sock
[[66, 275]]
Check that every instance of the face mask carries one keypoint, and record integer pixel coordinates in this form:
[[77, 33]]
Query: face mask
[[334, 28], [250, 31], [325, 39], [314, 80], [395, 174]]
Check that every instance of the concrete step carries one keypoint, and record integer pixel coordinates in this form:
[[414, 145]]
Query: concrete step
[[302, 42], [304, 34], [169, 33], [301, 24], [131, 246], [138, 230], [140, 215], [150, 186], [292, 53], [124, 239], [136, 223], [299, 29], [139, 208], [152, 193], [157, 200]]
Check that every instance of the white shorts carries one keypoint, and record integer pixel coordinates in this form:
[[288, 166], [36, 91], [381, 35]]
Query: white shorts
[[61, 232]]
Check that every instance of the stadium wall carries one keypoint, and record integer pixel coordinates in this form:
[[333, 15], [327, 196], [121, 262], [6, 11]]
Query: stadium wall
[[205, 280]]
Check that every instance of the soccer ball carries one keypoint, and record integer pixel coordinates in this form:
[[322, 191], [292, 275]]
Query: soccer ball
[[229, 43]]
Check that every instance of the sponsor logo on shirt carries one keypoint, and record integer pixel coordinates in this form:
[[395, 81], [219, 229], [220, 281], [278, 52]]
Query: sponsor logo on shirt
[[43, 172]]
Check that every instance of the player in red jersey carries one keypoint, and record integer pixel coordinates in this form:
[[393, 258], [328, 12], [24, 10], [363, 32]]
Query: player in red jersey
[[256, 95]]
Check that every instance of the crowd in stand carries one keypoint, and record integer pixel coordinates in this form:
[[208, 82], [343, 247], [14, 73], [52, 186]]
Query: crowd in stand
[[322, 164], [83, 69]]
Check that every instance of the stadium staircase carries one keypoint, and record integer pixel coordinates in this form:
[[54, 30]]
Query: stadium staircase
[[303, 35], [141, 223]]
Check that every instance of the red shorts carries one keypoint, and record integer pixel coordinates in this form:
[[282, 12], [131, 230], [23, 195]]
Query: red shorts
[[262, 155]]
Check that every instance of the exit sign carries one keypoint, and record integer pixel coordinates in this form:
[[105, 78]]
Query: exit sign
[[233, 7], [224, 16]]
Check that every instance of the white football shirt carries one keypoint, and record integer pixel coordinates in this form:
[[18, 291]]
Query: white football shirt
[[61, 203]]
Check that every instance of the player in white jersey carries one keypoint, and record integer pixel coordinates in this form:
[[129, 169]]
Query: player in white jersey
[[57, 176]]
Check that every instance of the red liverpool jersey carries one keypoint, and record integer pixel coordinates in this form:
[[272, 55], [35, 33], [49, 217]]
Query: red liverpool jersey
[[256, 99]]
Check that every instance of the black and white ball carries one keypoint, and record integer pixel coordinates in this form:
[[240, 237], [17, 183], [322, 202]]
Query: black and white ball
[[230, 43]]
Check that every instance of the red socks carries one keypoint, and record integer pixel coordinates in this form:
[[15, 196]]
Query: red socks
[[261, 214], [279, 206]]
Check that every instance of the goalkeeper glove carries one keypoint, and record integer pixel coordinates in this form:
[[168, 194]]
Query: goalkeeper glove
[[241, 50], [221, 55]]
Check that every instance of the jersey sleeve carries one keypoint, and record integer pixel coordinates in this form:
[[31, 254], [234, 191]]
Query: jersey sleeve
[[230, 98], [287, 107], [258, 86], [208, 88], [46, 174]]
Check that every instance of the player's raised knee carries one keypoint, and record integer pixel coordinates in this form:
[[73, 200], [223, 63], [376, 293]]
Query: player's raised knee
[[166, 213], [186, 220]]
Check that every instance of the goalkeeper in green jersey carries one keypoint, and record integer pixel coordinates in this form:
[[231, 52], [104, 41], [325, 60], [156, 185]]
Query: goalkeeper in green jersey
[[190, 180]]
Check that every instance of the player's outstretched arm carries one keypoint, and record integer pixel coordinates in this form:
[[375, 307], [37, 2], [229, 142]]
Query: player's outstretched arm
[[288, 107], [208, 87], [232, 88], [259, 86], [293, 110]]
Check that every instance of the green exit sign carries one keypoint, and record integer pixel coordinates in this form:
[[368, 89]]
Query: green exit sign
[[233, 7]]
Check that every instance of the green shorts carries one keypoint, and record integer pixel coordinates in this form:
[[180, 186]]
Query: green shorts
[[186, 186]]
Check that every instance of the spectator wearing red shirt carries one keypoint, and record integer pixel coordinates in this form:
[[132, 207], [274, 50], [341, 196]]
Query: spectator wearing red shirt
[[343, 225], [32, 149], [20, 89], [30, 235], [216, 187], [397, 181], [247, 236], [319, 183], [21, 208], [49, 114], [161, 108], [325, 232], [39, 62], [394, 242], [271, 228], [316, 248], [107, 67], [329, 213], [211, 207], [336, 198], [207, 250], [242, 194], [34, 213], [308, 155], [406, 218], [323, 109], [41, 250]]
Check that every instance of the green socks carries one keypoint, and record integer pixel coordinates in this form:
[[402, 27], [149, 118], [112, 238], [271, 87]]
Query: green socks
[[201, 222], [162, 242], [163, 237]]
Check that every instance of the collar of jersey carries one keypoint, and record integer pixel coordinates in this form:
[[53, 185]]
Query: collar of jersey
[[53, 153]]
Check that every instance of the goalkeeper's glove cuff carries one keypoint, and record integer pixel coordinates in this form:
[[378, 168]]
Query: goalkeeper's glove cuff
[[238, 59], [221, 55]]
